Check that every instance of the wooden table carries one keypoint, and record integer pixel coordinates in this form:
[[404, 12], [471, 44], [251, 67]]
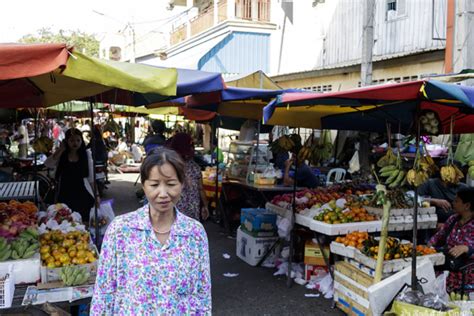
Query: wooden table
[[23, 190]]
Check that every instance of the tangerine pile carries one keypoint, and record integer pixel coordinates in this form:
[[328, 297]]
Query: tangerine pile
[[354, 239]]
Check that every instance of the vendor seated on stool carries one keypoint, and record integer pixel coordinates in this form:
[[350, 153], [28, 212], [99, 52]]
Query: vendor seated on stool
[[304, 175], [441, 195]]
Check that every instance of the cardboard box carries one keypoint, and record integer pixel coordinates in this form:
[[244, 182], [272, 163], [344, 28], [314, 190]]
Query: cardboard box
[[311, 272], [354, 273], [252, 249], [258, 219], [313, 254], [349, 306]]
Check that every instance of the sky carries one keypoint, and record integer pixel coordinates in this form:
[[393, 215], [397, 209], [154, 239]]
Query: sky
[[21, 17]]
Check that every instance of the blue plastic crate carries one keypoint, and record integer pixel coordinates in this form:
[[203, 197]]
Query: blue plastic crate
[[258, 219]]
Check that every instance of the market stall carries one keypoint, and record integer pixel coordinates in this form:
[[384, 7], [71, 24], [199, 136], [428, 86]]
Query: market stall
[[419, 108], [51, 250]]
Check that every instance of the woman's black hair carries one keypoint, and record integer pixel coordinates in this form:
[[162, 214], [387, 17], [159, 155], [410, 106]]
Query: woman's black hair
[[158, 157], [81, 152], [467, 196]]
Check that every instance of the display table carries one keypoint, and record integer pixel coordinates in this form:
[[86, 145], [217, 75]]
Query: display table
[[237, 194], [23, 190]]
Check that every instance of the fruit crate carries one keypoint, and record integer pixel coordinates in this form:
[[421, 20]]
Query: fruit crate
[[339, 249], [7, 290], [401, 211], [395, 265], [49, 275], [23, 270], [350, 302], [342, 229]]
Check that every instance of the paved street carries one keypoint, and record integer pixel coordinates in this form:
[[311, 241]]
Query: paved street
[[254, 292]]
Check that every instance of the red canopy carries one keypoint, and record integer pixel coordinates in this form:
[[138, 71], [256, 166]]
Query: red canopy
[[42, 58]]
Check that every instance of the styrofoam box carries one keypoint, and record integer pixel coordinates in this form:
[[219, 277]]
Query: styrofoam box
[[24, 270], [340, 249], [252, 249], [401, 211], [283, 212], [303, 220], [396, 223], [342, 229], [396, 265]]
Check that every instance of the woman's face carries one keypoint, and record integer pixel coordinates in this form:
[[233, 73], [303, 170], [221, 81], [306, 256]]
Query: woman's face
[[74, 142], [460, 207], [162, 188]]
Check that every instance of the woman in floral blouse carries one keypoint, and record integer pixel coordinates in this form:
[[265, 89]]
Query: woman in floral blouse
[[155, 261], [193, 200], [458, 235]]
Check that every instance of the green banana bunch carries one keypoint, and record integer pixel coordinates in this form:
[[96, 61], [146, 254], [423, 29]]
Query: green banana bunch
[[5, 250], [74, 275], [23, 249], [29, 234]]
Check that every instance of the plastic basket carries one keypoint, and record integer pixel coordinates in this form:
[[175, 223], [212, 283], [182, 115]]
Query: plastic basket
[[7, 290]]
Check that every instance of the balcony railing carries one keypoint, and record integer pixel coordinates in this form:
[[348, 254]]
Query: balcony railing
[[178, 35], [222, 11], [202, 22], [242, 10]]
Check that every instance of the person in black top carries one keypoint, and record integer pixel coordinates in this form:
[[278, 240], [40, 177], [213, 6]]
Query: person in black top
[[100, 147], [74, 174], [156, 138]]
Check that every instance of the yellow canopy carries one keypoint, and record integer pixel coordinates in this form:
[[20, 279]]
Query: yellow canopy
[[258, 80], [86, 76]]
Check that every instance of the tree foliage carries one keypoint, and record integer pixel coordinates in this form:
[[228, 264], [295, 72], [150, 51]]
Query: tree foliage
[[83, 42]]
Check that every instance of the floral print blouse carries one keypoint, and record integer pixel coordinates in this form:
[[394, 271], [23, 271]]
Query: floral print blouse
[[190, 201], [138, 275], [459, 235]]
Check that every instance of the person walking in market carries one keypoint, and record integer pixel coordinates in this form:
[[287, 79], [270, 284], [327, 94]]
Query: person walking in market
[[193, 202], [74, 174], [155, 261], [156, 138]]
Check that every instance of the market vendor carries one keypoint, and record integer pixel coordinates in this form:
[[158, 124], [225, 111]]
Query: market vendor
[[456, 240], [441, 195], [304, 175]]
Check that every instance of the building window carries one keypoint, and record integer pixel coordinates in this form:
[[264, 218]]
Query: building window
[[396, 9], [322, 88]]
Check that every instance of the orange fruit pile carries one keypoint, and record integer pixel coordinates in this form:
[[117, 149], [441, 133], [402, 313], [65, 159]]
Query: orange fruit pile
[[354, 239]]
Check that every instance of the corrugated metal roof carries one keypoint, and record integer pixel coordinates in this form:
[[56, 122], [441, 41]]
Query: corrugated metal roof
[[237, 53]]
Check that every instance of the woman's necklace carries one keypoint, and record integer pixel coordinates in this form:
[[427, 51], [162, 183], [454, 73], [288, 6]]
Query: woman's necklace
[[160, 232], [166, 231]]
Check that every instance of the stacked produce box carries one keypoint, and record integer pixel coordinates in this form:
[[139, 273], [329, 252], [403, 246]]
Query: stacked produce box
[[67, 253], [19, 241], [257, 236]]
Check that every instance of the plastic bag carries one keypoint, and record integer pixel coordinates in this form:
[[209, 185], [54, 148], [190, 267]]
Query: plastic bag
[[354, 164], [440, 286], [105, 215]]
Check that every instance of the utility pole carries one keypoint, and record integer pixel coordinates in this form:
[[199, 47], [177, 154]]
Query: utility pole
[[366, 76], [463, 49], [367, 42]]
